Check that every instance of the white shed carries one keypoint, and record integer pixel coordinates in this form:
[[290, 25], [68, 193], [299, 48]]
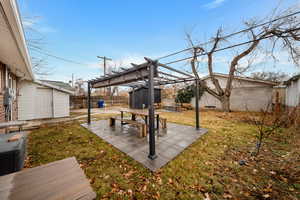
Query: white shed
[[40, 100], [293, 91]]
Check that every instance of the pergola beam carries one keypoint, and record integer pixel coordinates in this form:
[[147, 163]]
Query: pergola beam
[[175, 70], [170, 75], [137, 73], [160, 82], [166, 79]]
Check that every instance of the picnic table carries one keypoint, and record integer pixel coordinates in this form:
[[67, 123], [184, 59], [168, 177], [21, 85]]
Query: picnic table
[[141, 113], [62, 179], [9, 124]]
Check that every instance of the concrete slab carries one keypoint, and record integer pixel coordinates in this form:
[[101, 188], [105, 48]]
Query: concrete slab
[[169, 142]]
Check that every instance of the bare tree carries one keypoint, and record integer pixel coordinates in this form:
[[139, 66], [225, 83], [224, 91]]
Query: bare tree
[[35, 42], [282, 33], [268, 123]]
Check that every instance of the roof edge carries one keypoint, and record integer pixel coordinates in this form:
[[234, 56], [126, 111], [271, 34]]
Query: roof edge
[[242, 78], [12, 6], [294, 78]]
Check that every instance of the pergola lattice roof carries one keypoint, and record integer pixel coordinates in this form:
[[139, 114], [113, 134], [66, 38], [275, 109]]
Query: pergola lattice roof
[[137, 76]]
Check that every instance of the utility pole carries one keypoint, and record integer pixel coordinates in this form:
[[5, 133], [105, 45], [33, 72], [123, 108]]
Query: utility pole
[[104, 58], [72, 80]]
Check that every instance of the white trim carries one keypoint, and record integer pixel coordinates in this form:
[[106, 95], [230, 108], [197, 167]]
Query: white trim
[[12, 18]]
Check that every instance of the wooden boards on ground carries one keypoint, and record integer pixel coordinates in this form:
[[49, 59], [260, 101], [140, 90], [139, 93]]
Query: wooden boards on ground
[[63, 179]]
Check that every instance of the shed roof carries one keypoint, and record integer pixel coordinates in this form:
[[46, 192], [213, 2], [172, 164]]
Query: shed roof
[[41, 82], [142, 87], [61, 84], [294, 78]]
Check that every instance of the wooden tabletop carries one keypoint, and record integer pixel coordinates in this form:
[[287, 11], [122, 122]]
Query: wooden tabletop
[[58, 180], [138, 112]]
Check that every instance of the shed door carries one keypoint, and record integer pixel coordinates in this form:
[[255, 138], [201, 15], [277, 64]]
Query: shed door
[[61, 104], [44, 105]]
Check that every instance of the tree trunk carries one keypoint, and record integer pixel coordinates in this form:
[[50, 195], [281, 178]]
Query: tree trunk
[[225, 101]]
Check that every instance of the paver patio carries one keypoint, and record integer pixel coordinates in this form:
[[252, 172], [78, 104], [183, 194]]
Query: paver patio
[[169, 142]]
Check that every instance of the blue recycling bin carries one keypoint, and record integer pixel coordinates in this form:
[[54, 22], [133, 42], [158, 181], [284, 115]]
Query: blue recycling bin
[[101, 104]]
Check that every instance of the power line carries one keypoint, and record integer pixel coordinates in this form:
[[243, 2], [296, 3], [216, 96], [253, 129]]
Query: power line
[[230, 35], [54, 56], [229, 47], [36, 49]]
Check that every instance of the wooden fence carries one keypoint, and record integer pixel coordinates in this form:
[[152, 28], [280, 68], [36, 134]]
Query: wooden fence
[[77, 102]]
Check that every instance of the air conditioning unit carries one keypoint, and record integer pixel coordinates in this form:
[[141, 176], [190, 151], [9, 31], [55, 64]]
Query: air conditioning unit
[[12, 154]]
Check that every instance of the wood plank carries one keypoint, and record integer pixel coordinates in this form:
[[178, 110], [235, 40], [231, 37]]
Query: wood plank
[[138, 112], [62, 179], [12, 123]]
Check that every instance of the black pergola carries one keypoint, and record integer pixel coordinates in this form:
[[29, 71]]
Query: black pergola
[[148, 74]]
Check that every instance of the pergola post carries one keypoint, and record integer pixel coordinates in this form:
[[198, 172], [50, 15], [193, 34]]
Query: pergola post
[[197, 104], [133, 98], [152, 154], [89, 103]]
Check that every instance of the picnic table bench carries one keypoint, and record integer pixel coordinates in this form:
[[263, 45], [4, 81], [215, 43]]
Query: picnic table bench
[[58, 180], [10, 124], [143, 127]]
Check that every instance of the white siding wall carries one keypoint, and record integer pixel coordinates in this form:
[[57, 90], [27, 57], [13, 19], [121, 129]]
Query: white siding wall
[[43, 105], [38, 102], [293, 94], [26, 101], [61, 104], [246, 95]]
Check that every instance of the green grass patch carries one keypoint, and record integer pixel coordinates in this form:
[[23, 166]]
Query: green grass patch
[[209, 167]]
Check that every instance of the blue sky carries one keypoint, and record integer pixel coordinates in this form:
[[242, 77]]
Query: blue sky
[[128, 30]]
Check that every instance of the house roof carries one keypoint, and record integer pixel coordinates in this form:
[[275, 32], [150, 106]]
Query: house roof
[[294, 78], [13, 48], [243, 78], [50, 84]]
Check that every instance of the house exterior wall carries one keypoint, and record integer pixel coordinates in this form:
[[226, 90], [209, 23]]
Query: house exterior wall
[[246, 95], [293, 94], [2, 87], [14, 86]]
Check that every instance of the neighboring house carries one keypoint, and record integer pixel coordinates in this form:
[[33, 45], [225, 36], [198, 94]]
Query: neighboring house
[[247, 94], [40, 100], [293, 91], [15, 64]]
